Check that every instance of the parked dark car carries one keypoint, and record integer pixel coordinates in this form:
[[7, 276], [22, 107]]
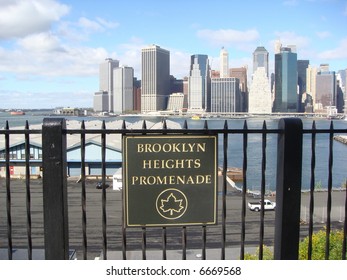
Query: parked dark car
[[99, 185]]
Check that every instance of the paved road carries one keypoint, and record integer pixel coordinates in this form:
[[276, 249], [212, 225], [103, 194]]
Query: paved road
[[153, 235]]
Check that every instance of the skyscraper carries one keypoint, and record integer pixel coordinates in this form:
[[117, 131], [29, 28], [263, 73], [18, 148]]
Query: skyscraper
[[224, 63], [106, 79], [103, 99], [123, 90], [199, 84], [301, 68], [225, 95], [326, 87], [286, 80], [155, 78], [259, 101], [261, 59], [241, 74], [311, 74]]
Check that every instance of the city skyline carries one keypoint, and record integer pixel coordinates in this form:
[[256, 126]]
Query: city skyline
[[51, 58]]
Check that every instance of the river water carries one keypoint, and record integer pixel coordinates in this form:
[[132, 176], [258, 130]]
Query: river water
[[235, 149]]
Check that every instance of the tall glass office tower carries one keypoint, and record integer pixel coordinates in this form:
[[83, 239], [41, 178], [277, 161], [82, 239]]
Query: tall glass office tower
[[155, 78], [286, 80], [199, 81], [261, 59]]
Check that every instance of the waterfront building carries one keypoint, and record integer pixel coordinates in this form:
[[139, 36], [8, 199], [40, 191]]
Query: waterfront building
[[68, 111], [301, 68], [123, 89], [224, 63], [100, 101], [176, 102], [106, 79], [241, 74], [199, 82], [341, 79], [260, 93], [326, 87], [286, 80], [311, 74], [261, 59], [155, 80], [185, 92], [225, 95], [137, 95]]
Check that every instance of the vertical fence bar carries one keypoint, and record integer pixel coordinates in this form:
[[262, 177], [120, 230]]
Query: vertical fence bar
[[184, 243], [312, 187], [344, 243], [27, 188], [124, 238], [224, 189], [288, 189], [83, 190], [244, 191], [103, 179], [55, 189], [330, 185], [262, 193], [144, 233], [164, 232], [8, 192], [184, 229], [204, 229]]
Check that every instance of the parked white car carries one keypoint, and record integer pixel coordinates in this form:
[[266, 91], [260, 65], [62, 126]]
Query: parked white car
[[256, 206]]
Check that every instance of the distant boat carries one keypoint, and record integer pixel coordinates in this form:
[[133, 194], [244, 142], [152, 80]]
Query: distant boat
[[17, 113], [195, 117]]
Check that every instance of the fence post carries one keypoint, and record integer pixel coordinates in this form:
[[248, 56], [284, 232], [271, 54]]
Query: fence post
[[55, 189], [288, 189]]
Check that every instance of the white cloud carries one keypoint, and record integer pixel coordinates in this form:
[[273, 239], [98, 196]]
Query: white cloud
[[291, 38], [44, 55], [228, 37], [40, 42], [20, 18], [98, 25], [323, 34], [338, 53]]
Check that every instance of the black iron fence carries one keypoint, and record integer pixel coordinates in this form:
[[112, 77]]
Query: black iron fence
[[290, 133]]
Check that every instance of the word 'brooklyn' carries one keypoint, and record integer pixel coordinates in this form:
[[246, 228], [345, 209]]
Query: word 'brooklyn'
[[171, 148]]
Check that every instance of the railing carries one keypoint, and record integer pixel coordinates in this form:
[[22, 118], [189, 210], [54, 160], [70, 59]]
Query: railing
[[288, 189]]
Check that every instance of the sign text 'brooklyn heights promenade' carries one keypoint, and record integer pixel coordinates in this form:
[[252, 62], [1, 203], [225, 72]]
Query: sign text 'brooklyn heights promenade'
[[170, 180]]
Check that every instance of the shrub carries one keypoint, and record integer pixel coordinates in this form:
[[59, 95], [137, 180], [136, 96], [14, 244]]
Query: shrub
[[267, 254], [318, 246]]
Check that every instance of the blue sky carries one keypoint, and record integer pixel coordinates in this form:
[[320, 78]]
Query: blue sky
[[50, 50]]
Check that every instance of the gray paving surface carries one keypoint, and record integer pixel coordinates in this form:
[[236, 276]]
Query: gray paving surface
[[153, 235]]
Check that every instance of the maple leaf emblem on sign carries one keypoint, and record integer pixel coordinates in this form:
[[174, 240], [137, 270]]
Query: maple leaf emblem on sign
[[171, 204]]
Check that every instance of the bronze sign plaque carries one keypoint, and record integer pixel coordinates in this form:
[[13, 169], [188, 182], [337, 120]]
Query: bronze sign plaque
[[170, 180]]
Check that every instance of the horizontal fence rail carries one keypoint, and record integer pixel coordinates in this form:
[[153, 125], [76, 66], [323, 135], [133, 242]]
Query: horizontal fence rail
[[286, 240]]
